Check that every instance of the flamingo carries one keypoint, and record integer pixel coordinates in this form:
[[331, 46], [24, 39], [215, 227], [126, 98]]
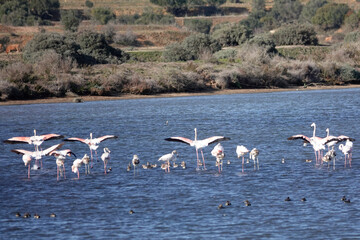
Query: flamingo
[[167, 158], [135, 161], [316, 142], [347, 150], [254, 153], [35, 140], [330, 155], [241, 151], [218, 153], [86, 161], [105, 157], [93, 143], [60, 160], [28, 155], [332, 140], [198, 144], [77, 164]]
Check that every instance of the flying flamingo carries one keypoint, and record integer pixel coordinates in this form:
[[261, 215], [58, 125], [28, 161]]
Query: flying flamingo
[[347, 150], [241, 151], [167, 158], [218, 153], [77, 164], [60, 160], [105, 157], [135, 161], [93, 143], [35, 140], [28, 155], [254, 153], [198, 144], [317, 143]]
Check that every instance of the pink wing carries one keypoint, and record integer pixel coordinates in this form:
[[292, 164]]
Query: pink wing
[[51, 136], [215, 139], [18, 139], [52, 148], [300, 136], [100, 139], [180, 139], [344, 138], [22, 152], [76, 139]]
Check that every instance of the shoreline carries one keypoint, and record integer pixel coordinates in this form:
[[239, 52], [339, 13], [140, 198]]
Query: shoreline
[[169, 95]]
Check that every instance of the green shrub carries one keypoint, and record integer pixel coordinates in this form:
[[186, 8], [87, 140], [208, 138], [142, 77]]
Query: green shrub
[[89, 4], [286, 10], [265, 41], [295, 35], [231, 35], [352, 37], [309, 10], [71, 19], [198, 25], [127, 39], [352, 21], [226, 54], [330, 15], [102, 15]]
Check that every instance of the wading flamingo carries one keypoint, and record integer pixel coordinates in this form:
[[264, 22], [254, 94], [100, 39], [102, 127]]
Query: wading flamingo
[[218, 153], [60, 160], [93, 143], [332, 140], [105, 157], [254, 153], [135, 161], [35, 140], [28, 155], [330, 156], [347, 150], [77, 164], [241, 151], [198, 144], [167, 158], [315, 141]]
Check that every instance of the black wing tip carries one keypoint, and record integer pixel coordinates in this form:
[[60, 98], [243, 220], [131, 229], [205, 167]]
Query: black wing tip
[[10, 142]]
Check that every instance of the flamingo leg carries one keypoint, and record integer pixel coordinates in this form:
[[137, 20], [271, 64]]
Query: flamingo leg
[[168, 166], [345, 160], [64, 171], [57, 172], [29, 171], [197, 158], [350, 158], [243, 164], [202, 154]]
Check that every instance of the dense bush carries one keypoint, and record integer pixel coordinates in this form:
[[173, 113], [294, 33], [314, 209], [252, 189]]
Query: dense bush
[[286, 10], [85, 48], [254, 20], [198, 25], [71, 19], [330, 15], [295, 35], [148, 17], [102, 15], [127, 39], [265, 41], [191, 48], [231, 34], [89, 4], [310, 8], [22, 12], [352, 21]]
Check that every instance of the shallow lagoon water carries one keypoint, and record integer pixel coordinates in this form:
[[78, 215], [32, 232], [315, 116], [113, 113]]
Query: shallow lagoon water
[[183, 204]]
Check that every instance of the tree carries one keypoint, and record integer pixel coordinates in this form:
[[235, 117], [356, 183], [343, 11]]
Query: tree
[[257, 5], [71, 19], [89, 4], [309, 10], [330, 15], [44, 8], [103, 15], [296, 35], [232, 34], [286, 10], [198, 25]]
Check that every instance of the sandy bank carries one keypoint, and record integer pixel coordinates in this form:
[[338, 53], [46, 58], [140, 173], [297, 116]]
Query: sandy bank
[[132, 96]]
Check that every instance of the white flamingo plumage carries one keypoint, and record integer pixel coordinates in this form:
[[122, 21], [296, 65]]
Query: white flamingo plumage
[[347, 150], [332, 140], [105, 157], [240, 152], [77, 164], [60, 156], [330, 156], [135, 161], [28, 155], [254, 153], [167, 158], [317, 143], [93, 143], [198, 144], [219, 154], [35, 140]]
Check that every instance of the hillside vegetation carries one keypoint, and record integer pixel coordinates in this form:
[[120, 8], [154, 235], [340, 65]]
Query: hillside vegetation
[[104, 47]]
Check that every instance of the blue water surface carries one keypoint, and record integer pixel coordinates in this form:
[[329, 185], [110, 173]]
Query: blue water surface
[[183, 204]]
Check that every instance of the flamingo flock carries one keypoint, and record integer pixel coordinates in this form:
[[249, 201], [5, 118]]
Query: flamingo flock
[[218, 152]]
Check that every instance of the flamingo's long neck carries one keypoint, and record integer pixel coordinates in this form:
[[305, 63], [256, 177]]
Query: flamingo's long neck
[[328, 132], [34, 132], [314, 130], [195, 134]]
